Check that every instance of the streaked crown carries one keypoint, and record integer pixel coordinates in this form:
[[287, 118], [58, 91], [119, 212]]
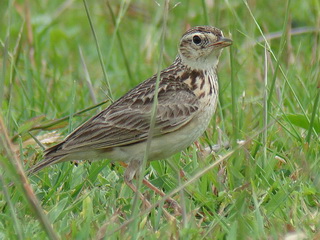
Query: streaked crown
[[200, 47]]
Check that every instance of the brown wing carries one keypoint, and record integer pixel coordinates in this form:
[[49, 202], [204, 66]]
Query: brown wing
[[127, 121]]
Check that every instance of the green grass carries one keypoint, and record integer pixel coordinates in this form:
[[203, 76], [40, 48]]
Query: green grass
[[266, 189]]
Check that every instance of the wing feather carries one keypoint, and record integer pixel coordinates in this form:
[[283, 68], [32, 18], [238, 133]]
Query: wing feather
[[127, 121]]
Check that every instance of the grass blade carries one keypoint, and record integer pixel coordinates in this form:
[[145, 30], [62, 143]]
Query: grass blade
[[99, 52], [22, 182]]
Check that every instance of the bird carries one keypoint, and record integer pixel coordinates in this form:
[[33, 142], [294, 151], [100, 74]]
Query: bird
[[187, 99]]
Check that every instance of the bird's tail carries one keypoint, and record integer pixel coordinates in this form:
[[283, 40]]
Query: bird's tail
[[52, 156]]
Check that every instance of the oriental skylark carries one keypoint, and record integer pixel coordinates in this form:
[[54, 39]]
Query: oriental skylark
[[187, 99]]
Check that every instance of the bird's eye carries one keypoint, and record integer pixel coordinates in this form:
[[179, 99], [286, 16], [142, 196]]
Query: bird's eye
[[196, 39]]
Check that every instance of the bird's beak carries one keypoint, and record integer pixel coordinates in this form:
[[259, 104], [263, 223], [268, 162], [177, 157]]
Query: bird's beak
[[223, 42]]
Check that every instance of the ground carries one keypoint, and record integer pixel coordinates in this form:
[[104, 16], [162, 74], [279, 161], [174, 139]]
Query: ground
[[57, 64]]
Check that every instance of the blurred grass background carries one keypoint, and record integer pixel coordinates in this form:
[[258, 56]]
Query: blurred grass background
[[269, 91]]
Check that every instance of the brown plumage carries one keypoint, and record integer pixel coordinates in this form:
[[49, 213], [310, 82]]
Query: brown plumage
[[187, 98]]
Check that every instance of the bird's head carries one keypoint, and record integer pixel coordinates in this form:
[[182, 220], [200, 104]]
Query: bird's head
[[200, 47]]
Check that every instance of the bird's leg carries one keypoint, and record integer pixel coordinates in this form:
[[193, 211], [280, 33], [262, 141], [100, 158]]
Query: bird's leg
[[146, 202], [129, 174], [135, 190], [132, 171], [171, 201]]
